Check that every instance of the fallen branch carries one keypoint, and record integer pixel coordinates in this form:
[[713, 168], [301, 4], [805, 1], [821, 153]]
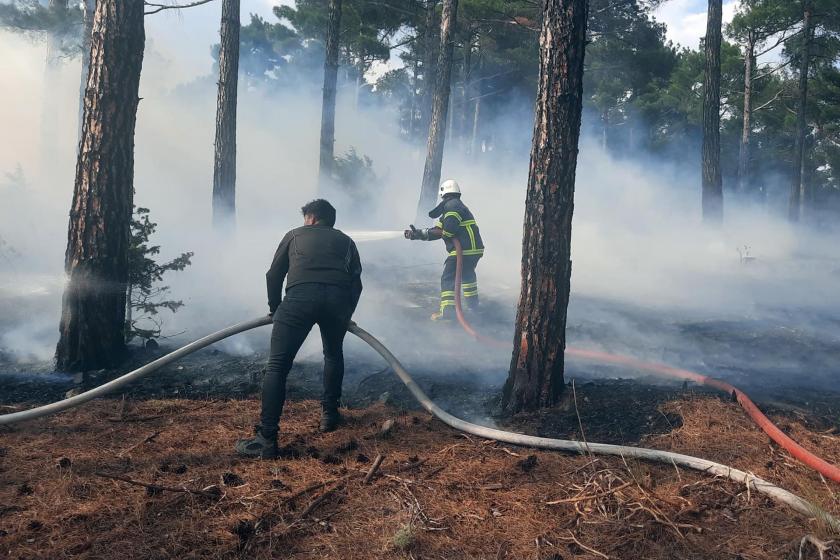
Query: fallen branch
[[412, 466], [586, 548], [320, 499], [147, 439], [316, 486], [821, 546], [590, 497], [373, 468], [157, 487]]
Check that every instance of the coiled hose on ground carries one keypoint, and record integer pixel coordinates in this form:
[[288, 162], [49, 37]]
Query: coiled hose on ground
[[753, 482], [818, 464]]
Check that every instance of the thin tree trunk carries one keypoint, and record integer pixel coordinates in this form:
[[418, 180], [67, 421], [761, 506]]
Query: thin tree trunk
[[430, 53], [797, 188], [327, 157], [474, 150], [463, 114], [88, 7], [224, 166], [536, 368], [53, 40], [450, 126], [51, 145], [440, 107], [605, 123], [712, 193], [93, 309], [476, 93], [413, 107], [746, 130]]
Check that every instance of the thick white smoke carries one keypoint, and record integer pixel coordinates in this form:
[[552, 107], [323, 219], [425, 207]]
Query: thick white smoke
[[637, 236]]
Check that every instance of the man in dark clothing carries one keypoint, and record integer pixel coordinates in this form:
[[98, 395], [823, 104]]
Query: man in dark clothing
[[322, 270], [455, 221]]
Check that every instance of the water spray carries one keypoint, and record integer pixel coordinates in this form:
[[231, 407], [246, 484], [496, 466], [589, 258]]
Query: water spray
[[369, 235]]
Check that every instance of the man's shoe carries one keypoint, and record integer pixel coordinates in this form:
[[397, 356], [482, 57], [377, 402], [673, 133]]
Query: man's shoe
[[330, 420], [258, 447]]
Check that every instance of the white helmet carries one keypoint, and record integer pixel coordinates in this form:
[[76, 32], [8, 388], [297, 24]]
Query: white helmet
[[449, 186]]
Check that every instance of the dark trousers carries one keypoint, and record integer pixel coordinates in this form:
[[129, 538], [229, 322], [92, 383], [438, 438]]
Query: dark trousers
[[305, 305], [469, 284]]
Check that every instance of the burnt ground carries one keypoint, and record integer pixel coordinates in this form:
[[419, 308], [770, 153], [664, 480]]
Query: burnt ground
[[468, 498]]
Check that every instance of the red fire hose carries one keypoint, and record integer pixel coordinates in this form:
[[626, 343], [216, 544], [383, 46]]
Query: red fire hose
[[820, 465]]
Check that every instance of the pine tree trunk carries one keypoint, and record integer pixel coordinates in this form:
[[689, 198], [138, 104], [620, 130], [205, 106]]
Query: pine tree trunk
[[476, 93], [797, 187], [224, 162], [605, 124], [712, 194], [93, 307], [412, 121], [54, 41], [536, 368], [440, 107], [474, 148], [50, 142], [746, 130], [327, 157], [430, 54], [89, 8], [464, 112]]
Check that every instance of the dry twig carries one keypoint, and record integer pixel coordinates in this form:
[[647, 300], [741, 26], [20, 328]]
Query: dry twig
[[373, 468]]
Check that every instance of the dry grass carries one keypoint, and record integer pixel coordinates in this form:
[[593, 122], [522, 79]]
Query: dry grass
[[438, 494]]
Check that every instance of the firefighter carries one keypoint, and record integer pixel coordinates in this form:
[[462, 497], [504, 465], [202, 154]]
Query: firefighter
[[322, 271], [454, 221]]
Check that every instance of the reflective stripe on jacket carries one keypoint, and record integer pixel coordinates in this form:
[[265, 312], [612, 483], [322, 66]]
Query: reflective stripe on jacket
[[458, 222]]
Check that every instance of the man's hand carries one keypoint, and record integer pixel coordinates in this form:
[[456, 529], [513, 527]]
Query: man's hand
[[415, 234]]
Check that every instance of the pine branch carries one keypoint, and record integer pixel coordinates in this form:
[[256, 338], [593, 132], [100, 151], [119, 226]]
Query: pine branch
[[162, 7]]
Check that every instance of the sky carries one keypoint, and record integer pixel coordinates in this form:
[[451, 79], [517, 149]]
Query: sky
[[686, 19], [196, 29]]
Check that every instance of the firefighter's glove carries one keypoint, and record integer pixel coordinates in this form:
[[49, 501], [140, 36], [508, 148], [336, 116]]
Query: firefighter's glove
[[416, 234]]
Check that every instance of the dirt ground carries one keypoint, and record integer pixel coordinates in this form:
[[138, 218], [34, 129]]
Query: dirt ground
[[69, 486]]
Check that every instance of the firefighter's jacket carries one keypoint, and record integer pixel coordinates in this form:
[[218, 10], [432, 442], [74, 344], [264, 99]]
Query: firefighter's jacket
[[457, 221]]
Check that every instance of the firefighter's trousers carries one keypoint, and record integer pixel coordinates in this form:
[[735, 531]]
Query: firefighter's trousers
[[469, 284]]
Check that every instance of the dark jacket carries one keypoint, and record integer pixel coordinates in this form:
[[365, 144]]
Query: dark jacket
[[317, 253], [457, 221]]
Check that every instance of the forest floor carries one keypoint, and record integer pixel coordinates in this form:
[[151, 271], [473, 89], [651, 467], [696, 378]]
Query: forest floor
[[71, 483]]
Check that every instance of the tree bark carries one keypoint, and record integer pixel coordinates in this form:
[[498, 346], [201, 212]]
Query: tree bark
[[536, 368], [430, 54], [440, 107], [464, 112], [224, 161], [712, 192], [797, 187], [746, 129], [50, 144], [327, 157], [413, 108], [89, 8], [93, 308], [476, 92]]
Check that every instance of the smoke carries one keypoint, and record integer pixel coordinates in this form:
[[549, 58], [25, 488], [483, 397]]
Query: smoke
[[648, 277]]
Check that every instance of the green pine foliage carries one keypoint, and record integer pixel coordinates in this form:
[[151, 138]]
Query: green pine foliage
[[146, 297]]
